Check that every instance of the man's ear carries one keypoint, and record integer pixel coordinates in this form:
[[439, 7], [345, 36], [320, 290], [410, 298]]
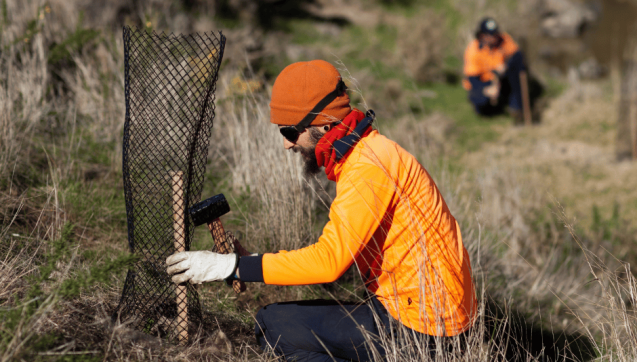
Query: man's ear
[[325, 129]]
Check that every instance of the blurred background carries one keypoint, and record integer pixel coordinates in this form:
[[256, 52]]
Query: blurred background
[[548, 212]]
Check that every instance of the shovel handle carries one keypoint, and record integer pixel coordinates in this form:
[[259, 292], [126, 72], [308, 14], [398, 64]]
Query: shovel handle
[[526, 101]]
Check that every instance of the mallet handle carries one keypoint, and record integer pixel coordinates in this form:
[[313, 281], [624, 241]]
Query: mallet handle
[[219, 236]]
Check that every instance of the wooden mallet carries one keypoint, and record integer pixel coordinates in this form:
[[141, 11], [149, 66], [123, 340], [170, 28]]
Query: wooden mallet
[[208, 212]]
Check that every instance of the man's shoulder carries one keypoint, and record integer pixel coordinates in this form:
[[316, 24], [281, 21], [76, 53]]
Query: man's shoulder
[[381, 152], [377, 145], [505, 36], [472, 47], [508, 42]]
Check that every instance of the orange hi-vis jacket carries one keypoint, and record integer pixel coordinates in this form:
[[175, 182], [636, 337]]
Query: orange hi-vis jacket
[[480, 61], [390, 219]]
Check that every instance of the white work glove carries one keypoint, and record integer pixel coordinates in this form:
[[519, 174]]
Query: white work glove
[[492, 91], [200, 266], [501, 69]]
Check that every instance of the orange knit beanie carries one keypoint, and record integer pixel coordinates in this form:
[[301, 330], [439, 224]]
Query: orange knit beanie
[[299, 88]]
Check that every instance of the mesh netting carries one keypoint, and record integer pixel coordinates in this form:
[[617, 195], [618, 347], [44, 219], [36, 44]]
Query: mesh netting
[[170, 91]]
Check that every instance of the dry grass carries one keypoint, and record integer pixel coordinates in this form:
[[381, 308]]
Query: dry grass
[[510, 256], [530, 270], [609, 320], [571, 156], [23, 311]]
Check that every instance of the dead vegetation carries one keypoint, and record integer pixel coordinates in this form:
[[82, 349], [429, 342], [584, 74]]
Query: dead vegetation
[[60, 127]]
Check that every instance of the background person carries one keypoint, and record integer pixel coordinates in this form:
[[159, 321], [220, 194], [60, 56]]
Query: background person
[[492, 66], [388, 218]]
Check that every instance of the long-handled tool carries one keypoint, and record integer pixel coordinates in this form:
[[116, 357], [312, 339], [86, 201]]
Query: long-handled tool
[[526, 101], [208, 212]]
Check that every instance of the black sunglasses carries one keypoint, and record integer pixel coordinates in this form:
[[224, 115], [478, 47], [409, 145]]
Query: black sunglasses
[[292, 133]]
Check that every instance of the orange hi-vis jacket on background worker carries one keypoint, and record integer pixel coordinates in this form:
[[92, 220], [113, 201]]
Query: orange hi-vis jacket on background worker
[[390, 219], [481, 60]]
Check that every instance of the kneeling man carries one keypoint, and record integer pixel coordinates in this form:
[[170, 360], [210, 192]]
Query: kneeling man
[[494, 71], [388, 218]]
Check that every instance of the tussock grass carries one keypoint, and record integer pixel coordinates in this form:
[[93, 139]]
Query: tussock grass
[[526, 265], [544, 292]]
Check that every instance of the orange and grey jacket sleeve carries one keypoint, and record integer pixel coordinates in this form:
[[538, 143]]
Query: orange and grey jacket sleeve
[[362, 200], [509, 46], [473, 67]]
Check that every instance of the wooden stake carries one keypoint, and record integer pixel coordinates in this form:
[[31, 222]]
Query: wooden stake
[[179, 227], [632, 118], [526, 101]]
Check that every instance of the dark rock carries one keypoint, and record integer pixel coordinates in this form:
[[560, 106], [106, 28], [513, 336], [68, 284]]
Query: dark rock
[[566, 19]]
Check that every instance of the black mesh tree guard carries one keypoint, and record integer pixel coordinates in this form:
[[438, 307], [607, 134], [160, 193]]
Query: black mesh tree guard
[[170, 92]]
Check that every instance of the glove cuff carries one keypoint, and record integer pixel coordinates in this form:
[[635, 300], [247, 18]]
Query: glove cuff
[[233, 274]]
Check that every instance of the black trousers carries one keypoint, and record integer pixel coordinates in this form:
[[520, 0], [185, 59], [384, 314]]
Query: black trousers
[[313, 330], [510, 92]]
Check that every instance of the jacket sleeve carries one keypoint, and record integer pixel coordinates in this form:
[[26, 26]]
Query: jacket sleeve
[[509, 46], [477, 84], [473, 66], [362, 199]]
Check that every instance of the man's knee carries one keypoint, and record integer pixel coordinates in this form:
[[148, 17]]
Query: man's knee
[[263, 322], [479, 100], [273, 326], [481, 105]]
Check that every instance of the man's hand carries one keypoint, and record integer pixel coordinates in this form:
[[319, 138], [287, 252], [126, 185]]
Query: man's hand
[[492, 91], [500, 69], [200, 266]]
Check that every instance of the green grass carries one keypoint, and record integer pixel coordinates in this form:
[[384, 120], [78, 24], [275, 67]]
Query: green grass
[[46, 288], [303, 32], [471, 130], [452, 16], [554, 87], [353, 46], [97, 205]]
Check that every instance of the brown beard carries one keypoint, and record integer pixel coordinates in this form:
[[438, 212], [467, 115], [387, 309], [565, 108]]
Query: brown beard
[[310, 167]]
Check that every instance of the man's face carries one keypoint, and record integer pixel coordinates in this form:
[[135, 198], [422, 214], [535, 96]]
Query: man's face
[[306, 146], [489, 40]]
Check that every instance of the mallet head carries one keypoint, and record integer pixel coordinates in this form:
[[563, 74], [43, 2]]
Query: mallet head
[[209, 209]]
